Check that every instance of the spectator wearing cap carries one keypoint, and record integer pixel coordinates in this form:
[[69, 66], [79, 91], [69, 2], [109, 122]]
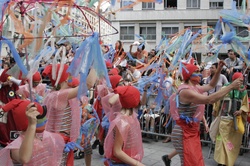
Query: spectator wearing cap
[[34, 146], [233, 64], [123, 144]]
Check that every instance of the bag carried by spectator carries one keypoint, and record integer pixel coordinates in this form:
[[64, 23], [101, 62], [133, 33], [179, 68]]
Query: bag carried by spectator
[[214, 128]]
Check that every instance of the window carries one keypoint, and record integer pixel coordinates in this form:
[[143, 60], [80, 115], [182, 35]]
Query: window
[[169, 31], [211, 25], [191, 4], [148, 31], [126, 3], [170, 4], [127, 32], [216, 4], [193, 27], [241, 31], [238, 3], [148, 5]]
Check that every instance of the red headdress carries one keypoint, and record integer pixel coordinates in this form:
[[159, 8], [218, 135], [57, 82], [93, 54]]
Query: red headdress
[[129, 96], [18, 108], [114, 80], [64, 76], [37, 77], [186, 73]]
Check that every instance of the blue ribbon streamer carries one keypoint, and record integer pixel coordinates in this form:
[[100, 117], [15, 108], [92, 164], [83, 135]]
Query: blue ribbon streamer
[[16, 56], [71, 146], [187, 119]]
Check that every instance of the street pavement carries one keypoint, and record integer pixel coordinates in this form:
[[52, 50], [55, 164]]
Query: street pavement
[[154, 150]]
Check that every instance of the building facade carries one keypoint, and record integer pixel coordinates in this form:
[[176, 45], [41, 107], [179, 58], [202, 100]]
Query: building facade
[[153, 20], [77, 21]]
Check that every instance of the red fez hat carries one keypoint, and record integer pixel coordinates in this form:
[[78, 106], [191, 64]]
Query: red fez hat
[[129, 96], [48, 72], [18, 108], [74, 82], [113, 71], [237, 75], [186, 73], [37, 77], [114, 80], [108, 64]]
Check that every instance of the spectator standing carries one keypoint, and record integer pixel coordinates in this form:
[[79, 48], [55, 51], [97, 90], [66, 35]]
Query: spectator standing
[[233, 64]]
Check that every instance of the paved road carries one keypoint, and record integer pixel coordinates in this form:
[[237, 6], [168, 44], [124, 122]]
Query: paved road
[[154, 150]]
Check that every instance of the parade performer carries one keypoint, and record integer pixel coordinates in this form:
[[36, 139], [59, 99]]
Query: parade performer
[[8, 88], [7, 93], [187, 108], [228, 140], [123, 144], [89, 124], [63, 108], [34, 146], [38, 89], [115, 80]]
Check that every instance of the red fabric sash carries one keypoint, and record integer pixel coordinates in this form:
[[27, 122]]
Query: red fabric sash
[[70, 159], [98, 108], [192, 152]]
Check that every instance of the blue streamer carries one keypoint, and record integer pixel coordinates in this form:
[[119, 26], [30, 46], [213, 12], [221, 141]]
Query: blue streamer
[[217, 29], [193, 37], [3, 6], [113, 2], [187, 119], [105, 123], [16, 56], [99, 63], [130, 56], [127, 3], [71, 146], [169, 122], [82, 63]]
